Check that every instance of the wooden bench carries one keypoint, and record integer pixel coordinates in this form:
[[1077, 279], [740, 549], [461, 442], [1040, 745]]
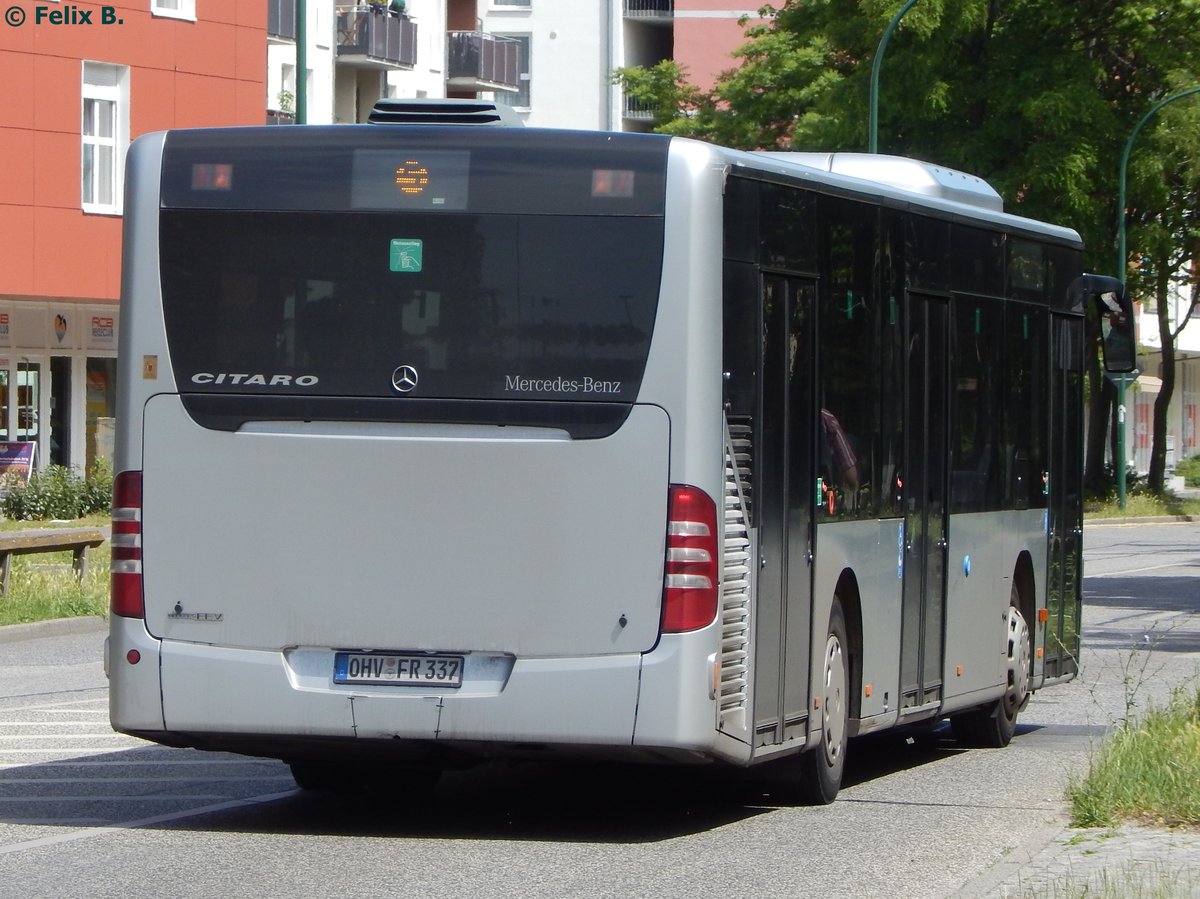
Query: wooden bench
[[19, 543]]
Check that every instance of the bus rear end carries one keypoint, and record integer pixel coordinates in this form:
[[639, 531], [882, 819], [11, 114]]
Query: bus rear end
[[386, 490]]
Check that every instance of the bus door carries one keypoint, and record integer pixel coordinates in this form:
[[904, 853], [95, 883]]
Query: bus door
[[1065, 500], [926, 449], [783, 605]]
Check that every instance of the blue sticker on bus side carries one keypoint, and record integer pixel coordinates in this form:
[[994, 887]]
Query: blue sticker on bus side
[[406, 255]]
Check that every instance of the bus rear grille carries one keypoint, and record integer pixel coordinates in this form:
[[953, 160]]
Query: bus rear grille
[[735, 581]]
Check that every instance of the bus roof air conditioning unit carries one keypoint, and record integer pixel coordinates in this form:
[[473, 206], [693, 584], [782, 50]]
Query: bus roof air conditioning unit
[[906, 174], [431, 111]]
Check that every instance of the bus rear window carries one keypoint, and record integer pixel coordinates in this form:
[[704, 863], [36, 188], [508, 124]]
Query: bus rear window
[[388, 304]]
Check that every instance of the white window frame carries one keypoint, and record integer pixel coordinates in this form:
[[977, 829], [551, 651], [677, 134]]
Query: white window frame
[[511, 5], [174, 9], [107, 86]]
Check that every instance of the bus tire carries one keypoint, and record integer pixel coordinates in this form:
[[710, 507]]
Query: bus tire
[[993, 725], [821, 768]]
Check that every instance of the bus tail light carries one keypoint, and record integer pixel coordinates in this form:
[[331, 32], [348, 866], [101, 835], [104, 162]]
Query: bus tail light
[[126, 599], [691, 584]]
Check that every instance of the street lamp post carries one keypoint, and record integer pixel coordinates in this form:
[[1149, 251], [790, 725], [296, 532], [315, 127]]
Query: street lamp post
[[875, 66], [301, 62], [1122, 268]]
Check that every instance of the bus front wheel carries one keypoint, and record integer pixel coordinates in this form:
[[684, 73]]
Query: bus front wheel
[[993, 726]]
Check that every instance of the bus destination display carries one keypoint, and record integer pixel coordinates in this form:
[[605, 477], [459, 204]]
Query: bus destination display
[[408, 179]]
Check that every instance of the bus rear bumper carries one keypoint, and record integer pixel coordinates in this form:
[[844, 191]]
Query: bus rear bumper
[[235, 696]]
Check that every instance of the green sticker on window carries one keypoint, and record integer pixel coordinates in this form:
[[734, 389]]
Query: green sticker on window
[[406, 255]]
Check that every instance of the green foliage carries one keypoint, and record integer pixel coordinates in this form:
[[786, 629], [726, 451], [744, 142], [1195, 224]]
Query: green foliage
[[1140, 502], [662, 90], [1189, 470], [60, 493], [1149, 770], [44, 587]]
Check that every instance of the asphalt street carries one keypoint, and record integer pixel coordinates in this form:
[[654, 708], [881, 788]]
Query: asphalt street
[[84, 811]]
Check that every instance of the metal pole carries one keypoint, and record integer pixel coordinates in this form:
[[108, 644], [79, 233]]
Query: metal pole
[[301, 62], [1122, 270], [875, 65]]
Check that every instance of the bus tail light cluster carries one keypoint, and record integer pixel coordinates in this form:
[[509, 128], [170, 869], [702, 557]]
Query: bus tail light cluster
[[691, 584], [127, 600]]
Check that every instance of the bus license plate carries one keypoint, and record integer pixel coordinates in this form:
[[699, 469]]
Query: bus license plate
[[397, 669]]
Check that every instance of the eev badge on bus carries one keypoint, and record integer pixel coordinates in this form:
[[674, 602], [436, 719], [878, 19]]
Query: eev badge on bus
[[406, 255]]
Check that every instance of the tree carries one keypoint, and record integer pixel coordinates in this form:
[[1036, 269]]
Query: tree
[[1035, 96], [1165, 229]]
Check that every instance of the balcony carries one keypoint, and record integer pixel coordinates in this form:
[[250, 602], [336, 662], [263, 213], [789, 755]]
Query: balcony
[[370, 37], [649, 9], [281, 20], [638, 110], [476, 61]]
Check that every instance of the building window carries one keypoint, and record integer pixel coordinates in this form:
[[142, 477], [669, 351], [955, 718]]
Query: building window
[[511, 4], [104, 135], [174, 9], [518, 99]]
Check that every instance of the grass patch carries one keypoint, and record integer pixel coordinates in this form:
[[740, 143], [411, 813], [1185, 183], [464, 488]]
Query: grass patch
[[96, 520], [1143, 505], [1148, 771], [42, 586]]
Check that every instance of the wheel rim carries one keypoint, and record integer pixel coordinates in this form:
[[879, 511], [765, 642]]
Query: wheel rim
[[1018, 660], [834, 700]]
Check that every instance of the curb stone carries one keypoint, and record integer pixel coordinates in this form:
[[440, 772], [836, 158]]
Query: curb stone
[[13, 633]]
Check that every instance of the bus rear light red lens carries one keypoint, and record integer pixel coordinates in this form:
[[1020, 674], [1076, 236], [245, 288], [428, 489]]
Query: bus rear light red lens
[[126, 598], [691, 583]]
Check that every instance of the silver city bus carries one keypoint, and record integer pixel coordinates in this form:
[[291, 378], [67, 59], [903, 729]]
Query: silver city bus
[[442, 442]]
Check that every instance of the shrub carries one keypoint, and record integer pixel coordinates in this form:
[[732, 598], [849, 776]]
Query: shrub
[[1189, 469], [59, 492]]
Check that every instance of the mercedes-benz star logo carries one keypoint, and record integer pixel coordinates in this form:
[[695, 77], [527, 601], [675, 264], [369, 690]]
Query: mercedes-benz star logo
[[404, 378]]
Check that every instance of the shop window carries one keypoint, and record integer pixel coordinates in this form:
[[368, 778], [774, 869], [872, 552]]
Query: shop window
[[100, 415]]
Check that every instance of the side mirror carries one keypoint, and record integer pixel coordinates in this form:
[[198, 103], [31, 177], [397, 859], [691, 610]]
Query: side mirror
[[1117, 335]]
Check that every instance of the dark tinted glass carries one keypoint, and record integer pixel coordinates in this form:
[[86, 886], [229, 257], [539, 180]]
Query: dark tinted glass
[[789, 228], [977, 441], [481, 306], [978, 259], [927, 252], [1026, 421], [472, 168], [854, 320]]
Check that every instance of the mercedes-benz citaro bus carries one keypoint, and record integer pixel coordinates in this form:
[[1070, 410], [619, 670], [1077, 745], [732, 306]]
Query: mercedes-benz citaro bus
[[447, 442]]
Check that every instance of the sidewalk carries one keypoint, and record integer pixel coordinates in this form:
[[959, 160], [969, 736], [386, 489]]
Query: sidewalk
[[1128, 861]]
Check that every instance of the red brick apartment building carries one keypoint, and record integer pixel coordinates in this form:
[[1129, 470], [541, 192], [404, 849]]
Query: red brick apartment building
[[78, 82]]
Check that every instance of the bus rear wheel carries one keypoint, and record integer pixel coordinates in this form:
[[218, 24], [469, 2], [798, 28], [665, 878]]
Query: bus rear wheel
[[821, 768], [993, 726]]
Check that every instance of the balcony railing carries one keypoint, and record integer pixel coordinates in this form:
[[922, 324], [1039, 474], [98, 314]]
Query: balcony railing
[[370, 36], [639, 110], [649, 9], [281, 19], [476, 61]]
